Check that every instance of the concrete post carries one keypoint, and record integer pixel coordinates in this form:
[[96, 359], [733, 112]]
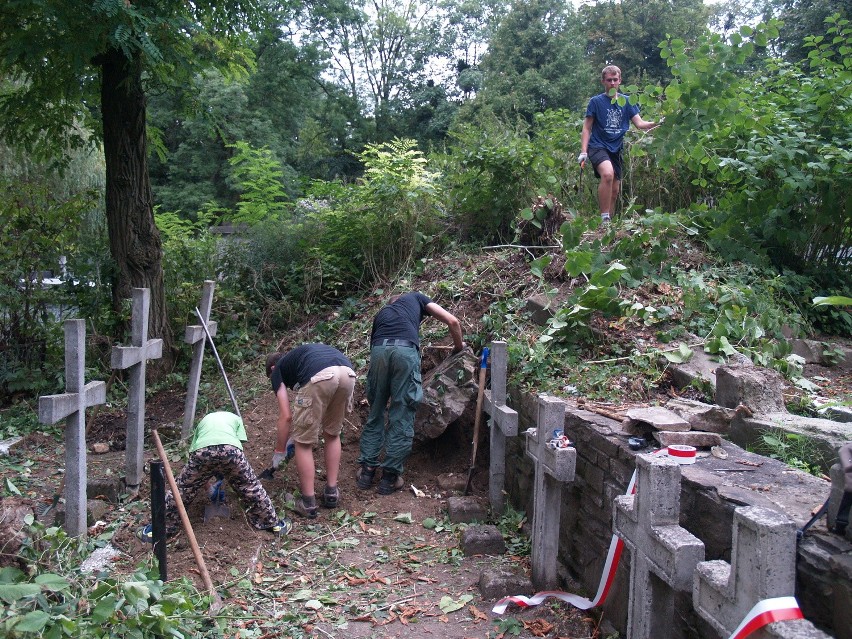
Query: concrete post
[[663, 555], [552, 468], [763, 566], [503, 424], [72, 405], [134, 358], [195, 336]]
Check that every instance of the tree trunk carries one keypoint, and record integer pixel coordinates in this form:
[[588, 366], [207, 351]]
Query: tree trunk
[[133, 236]]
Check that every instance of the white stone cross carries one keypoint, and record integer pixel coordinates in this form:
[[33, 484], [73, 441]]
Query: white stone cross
[[503, 422], [763, 566], [72, 405], [552, 468], [135, 358], [196, 336], [663, 555]]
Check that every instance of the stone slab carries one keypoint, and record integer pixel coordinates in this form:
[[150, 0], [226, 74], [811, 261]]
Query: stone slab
[[448, 390], [761, 389], [466, 509], [496, 583], [701, 416], [692, 438], [482, 540], [658, 418]]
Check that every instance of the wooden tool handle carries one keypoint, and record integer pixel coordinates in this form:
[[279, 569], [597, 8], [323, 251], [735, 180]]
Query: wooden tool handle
[[196, 551]]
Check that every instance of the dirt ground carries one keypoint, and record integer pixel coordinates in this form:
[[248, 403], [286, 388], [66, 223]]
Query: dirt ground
[[359, 571]]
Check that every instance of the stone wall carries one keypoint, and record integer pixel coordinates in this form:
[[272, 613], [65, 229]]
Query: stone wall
[[708, 499]]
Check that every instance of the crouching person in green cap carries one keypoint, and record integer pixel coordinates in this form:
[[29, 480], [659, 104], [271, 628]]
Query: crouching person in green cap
[[217, 451]]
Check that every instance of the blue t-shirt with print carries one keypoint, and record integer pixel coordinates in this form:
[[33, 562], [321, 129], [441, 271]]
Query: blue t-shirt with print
[[611, 122]]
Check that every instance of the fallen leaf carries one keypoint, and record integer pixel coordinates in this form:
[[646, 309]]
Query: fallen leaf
[[477, 614], [539, 627]]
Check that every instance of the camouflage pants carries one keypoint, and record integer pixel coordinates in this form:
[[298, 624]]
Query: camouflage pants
[[228, 462]]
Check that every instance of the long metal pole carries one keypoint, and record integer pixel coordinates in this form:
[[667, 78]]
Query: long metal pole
[[218, 361]]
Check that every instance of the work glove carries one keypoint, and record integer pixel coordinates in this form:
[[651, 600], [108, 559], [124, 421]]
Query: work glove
[[582, 158], [278, 457]]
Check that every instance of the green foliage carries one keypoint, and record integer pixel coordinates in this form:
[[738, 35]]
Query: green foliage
[[379, 225], [797, 451], [510, 525], [771, 146], [259, 181], [52, 600], [40, 227], [487, 178]]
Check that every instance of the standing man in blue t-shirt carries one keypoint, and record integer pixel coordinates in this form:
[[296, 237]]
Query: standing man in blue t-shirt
[[394, 384], [603, 137]]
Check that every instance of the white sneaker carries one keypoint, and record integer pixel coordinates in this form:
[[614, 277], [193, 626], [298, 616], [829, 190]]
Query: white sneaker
[[605, 218]]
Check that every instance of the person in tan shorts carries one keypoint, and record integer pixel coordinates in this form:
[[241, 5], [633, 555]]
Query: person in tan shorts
[[323, 383]]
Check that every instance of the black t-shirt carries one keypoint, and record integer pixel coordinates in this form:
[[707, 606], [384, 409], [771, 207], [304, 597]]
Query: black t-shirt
[[401, 319], [303, 362]]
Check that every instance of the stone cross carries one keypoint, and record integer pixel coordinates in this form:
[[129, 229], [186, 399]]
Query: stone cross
[[663, 555], [195, 335], [553, 466], [72, 405], [134, 358], [503, 422], [763, 566]]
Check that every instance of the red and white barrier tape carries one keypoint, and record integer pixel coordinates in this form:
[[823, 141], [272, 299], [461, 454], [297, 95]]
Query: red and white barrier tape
[[766, 612], [616, 546]]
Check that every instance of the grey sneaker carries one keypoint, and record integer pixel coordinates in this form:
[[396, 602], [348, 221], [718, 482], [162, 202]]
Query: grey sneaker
[[391, 482], [605, 219], [304, 510]]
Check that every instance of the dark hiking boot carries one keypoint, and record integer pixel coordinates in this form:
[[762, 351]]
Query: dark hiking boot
[[391, 482], [365, 477]]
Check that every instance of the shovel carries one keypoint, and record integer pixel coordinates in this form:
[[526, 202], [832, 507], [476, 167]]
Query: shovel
[[483, 368], [217, 506]]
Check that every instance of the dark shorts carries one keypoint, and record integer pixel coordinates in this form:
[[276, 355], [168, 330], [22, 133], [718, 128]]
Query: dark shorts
[[596, 156]]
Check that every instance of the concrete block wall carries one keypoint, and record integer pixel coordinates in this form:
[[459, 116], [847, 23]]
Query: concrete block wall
[[604, 467]]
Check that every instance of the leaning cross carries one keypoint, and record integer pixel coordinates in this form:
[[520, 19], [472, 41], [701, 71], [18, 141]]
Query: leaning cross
[[662, 554], [763, 566], [504, 423], [72, 405], [195, 335], [553, 466], [135, 358]]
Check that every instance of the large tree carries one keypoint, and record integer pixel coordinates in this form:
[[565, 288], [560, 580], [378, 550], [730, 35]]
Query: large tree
[[79, 73]]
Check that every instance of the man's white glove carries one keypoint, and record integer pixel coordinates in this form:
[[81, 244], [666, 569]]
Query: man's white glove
[[582, 158], [278, 457]]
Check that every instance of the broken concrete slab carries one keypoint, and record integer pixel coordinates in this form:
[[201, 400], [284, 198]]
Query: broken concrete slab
[[810, 350], [695, 438], [701, 368], [760, 389], [701, 416], [482, 540], [448, 390], [658, 418], [496, 583]]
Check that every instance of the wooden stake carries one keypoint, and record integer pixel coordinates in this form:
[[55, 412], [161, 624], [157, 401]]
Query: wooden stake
[[187, 527]]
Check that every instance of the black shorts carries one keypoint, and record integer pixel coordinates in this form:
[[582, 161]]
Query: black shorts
[[596, 156]]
